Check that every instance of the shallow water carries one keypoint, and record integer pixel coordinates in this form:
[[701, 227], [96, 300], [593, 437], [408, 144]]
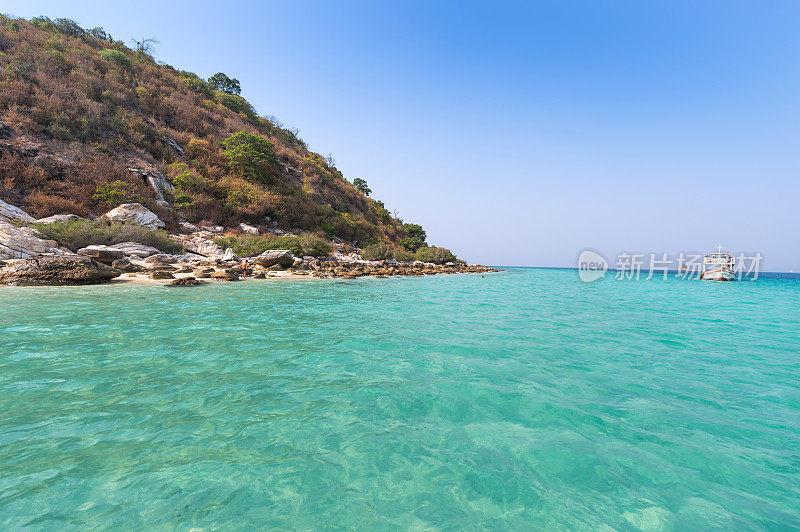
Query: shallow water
[[515, 400]]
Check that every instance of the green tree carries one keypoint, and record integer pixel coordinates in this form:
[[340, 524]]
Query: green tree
[[250, 155], [221, 82], [415, 237], [116, 57], [361, 185], [67, 26]]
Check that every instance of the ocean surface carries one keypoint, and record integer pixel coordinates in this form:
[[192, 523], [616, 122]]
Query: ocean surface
[[521, 400]]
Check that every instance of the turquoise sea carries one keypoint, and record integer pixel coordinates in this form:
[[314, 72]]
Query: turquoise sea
[[522, 400]]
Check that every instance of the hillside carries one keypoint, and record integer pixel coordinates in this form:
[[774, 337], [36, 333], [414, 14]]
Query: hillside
[[88, 123]]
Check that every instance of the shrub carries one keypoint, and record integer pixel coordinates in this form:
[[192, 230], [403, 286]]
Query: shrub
[[381, 212], [43, 22], [187, 180], [237, 104], [76, 234], [116, 57], [434, 254], [20, 70], [197, 148], [99, 34], [115, 193], [198, 86], [252, 245], [377, 251], [69, 27], [249, 155], [404, 256]]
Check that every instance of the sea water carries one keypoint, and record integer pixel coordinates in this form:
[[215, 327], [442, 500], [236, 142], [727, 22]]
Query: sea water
[[519, 400]]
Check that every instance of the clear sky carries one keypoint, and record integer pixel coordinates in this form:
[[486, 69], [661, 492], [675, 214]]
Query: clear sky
[[521, 133]]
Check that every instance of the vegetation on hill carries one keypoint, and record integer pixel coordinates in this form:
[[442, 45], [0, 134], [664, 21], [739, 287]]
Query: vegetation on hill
[[76, 234], [78, 109]]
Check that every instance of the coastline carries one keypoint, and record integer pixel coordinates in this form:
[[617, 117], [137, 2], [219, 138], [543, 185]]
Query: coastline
[[183, 274]]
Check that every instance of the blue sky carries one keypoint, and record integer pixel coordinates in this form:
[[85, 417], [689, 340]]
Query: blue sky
[[522, 133]]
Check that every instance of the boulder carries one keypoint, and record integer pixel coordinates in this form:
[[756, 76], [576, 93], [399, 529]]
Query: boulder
[[224, 275], [161, 258], [9, 213], [104, 254], [186, 281], [230, 255], [24, 242], [57, 269], [133, 213], [57, 218], [125, 265], [160, 275], [203, 272], [199, 243], [271, 257], [189, 227], [248, 229]]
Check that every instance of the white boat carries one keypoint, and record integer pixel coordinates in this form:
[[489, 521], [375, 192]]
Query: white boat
[[718, 266]]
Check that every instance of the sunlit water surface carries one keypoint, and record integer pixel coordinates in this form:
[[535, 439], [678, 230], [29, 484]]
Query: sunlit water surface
[[524, 399]]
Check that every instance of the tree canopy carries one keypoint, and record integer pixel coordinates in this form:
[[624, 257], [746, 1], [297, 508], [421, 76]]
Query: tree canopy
[[223, 83], [249, 154], [361, 185], [415, 237]]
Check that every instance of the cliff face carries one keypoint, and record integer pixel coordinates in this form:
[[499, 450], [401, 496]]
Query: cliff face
[[87, 123]]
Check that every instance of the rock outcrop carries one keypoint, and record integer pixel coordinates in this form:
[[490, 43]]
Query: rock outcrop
[[23, 243], [157, 182], [200, 243], [133, 213], [9, 213], [55, 270]]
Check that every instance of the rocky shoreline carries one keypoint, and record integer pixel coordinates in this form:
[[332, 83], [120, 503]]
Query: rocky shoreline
[[26, 259]]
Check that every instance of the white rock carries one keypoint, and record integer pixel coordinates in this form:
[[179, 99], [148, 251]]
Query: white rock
[[134, 248], [189, 227], [57, 218], [190, 257], [22, 243], [248, 229], [133, 213], [9, 213], [157, 182], [102, 253], [200, 244], [230, 255]]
